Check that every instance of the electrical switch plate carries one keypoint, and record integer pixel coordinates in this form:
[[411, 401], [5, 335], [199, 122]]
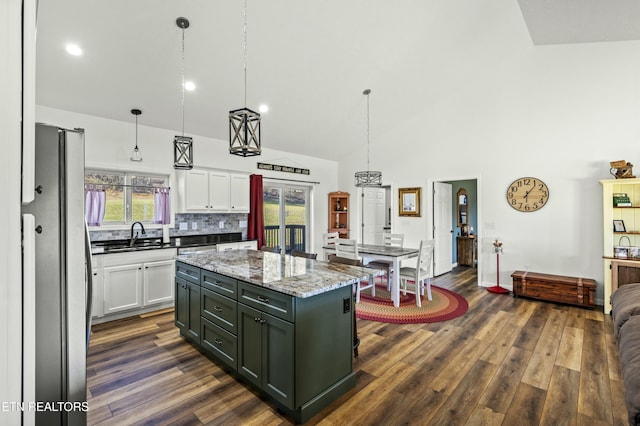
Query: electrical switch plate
[[194, 225], [221, 224], [183, 226]]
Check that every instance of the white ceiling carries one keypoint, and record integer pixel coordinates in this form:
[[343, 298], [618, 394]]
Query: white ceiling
[[309, 61]]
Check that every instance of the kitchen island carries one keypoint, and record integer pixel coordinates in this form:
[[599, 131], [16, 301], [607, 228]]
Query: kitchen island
[[283, 324]]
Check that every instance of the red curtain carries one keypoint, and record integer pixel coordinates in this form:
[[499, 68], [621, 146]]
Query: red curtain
[[255, 229]]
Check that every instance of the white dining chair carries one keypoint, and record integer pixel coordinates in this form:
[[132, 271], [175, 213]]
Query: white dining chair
[[329, 240], [390, 240], [360, 285], [347, 248], [420, 275]]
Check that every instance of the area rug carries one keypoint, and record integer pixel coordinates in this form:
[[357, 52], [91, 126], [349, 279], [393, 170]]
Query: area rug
[[445, 305]]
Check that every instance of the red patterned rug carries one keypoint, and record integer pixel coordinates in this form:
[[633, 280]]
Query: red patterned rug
[[445, 305]]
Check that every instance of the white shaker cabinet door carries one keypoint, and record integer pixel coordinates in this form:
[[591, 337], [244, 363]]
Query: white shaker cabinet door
[[122, 288], [159, 281]]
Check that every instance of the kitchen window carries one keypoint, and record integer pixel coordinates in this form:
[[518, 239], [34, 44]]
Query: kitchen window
[[129, 195]]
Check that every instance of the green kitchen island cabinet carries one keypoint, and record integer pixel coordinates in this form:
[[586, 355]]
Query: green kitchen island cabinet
[[283, 324]]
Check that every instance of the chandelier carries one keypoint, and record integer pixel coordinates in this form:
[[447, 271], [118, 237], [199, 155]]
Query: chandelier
[[135, 154], [368, 177], [244, 123], [182, 145]]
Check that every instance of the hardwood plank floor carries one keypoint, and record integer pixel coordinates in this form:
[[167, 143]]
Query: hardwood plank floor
[[507, 361]]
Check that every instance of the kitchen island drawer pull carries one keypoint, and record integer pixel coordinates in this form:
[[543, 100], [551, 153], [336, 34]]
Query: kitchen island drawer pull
[[217, 341], [217, 308], [264, 299]]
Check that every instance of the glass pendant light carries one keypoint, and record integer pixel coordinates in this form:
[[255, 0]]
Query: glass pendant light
[[135, 154], [182, 145], [368, 177], [244, 123]]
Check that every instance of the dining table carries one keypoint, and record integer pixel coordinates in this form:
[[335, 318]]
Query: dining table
[[389, 253]]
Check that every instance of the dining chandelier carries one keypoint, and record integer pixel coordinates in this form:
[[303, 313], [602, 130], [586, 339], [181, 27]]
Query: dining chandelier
[[244, 123], [135, 154], [182, 145], [368, 177]]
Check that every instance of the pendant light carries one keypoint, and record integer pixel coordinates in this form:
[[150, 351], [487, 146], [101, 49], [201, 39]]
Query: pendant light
[[368, 177], [182, 145], [244, 124], [135, 154]]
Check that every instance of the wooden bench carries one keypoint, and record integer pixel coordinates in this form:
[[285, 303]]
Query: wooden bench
[[555, 288]]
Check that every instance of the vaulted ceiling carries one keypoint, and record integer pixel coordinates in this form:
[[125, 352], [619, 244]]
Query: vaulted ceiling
[[308, 60]]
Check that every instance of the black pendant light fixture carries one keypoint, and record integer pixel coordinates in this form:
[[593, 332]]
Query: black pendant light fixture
[[368, 177], [135, 154], [182, 145], [244, 123]]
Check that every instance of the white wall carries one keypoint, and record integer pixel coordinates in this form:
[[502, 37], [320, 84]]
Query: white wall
[[10, 248], [109, 143], [560, 113]]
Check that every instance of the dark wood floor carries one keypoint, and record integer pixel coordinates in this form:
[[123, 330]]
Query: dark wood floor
[[507, 361]]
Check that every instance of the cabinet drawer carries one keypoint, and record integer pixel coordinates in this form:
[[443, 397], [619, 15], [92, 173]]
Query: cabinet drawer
[[219, 309], [269, 301], [219, 343], [220, 284], [188, 272]]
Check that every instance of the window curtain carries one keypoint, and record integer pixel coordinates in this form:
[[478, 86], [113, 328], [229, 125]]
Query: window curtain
[[255, 220], [162, 206], [94, 204]]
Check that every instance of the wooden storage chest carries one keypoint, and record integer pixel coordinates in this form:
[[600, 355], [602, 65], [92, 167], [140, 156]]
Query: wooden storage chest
[[555, 288]]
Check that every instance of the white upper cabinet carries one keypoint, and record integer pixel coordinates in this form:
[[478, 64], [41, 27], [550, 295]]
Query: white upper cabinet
[[214, 191]]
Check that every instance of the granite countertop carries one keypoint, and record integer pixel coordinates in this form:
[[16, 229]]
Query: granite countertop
[[295, 276]]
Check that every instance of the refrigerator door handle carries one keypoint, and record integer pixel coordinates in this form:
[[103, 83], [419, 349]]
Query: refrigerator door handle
[[89, 279], [29, 320]]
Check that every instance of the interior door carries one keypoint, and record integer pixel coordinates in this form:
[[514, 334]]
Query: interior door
[[442, 228], [373, 215]]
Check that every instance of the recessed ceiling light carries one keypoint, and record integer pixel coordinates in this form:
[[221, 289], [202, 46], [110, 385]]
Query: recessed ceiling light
[[263, 108], [73, 49], [189, 85]]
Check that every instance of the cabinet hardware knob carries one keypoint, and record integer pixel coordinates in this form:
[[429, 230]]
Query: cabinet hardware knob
[[263, 299], [39, 189], [217, 341], [39, 229], [262, 321]]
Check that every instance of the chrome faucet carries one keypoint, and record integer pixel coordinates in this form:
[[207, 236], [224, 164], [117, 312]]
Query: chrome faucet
[[134, 238]]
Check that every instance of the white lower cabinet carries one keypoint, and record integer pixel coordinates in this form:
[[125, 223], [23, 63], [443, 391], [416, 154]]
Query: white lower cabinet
[[135, 282], [253, 245], [158, 282]]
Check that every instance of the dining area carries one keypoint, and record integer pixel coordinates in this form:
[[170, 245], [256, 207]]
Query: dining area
[[388, 257]]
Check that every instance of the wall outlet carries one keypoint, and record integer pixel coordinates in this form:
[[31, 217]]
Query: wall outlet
[[183, 226], [242, 224], [194, 225], [221, 224]]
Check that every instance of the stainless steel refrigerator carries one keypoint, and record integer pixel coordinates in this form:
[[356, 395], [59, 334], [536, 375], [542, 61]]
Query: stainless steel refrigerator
[[57, 283]]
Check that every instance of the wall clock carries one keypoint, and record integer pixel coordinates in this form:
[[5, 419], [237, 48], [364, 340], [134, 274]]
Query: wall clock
[[527, 194]]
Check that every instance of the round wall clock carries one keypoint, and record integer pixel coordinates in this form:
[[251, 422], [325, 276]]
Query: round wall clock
[[527, 194]]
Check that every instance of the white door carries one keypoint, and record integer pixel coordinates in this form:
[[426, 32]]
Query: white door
[[122, 288], [373, 215], [442, 228]]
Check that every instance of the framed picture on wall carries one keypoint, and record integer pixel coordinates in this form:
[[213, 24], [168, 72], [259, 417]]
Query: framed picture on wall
[[409, 201], [618, 226]]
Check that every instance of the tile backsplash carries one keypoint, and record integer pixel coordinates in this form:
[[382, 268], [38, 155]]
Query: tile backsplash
[[205, 223]]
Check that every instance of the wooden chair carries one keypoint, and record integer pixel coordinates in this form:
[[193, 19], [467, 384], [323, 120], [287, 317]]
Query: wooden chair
[[421, 274], [353, 262], [329, 240], [270, 249], [391, 240], [297, 253]]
